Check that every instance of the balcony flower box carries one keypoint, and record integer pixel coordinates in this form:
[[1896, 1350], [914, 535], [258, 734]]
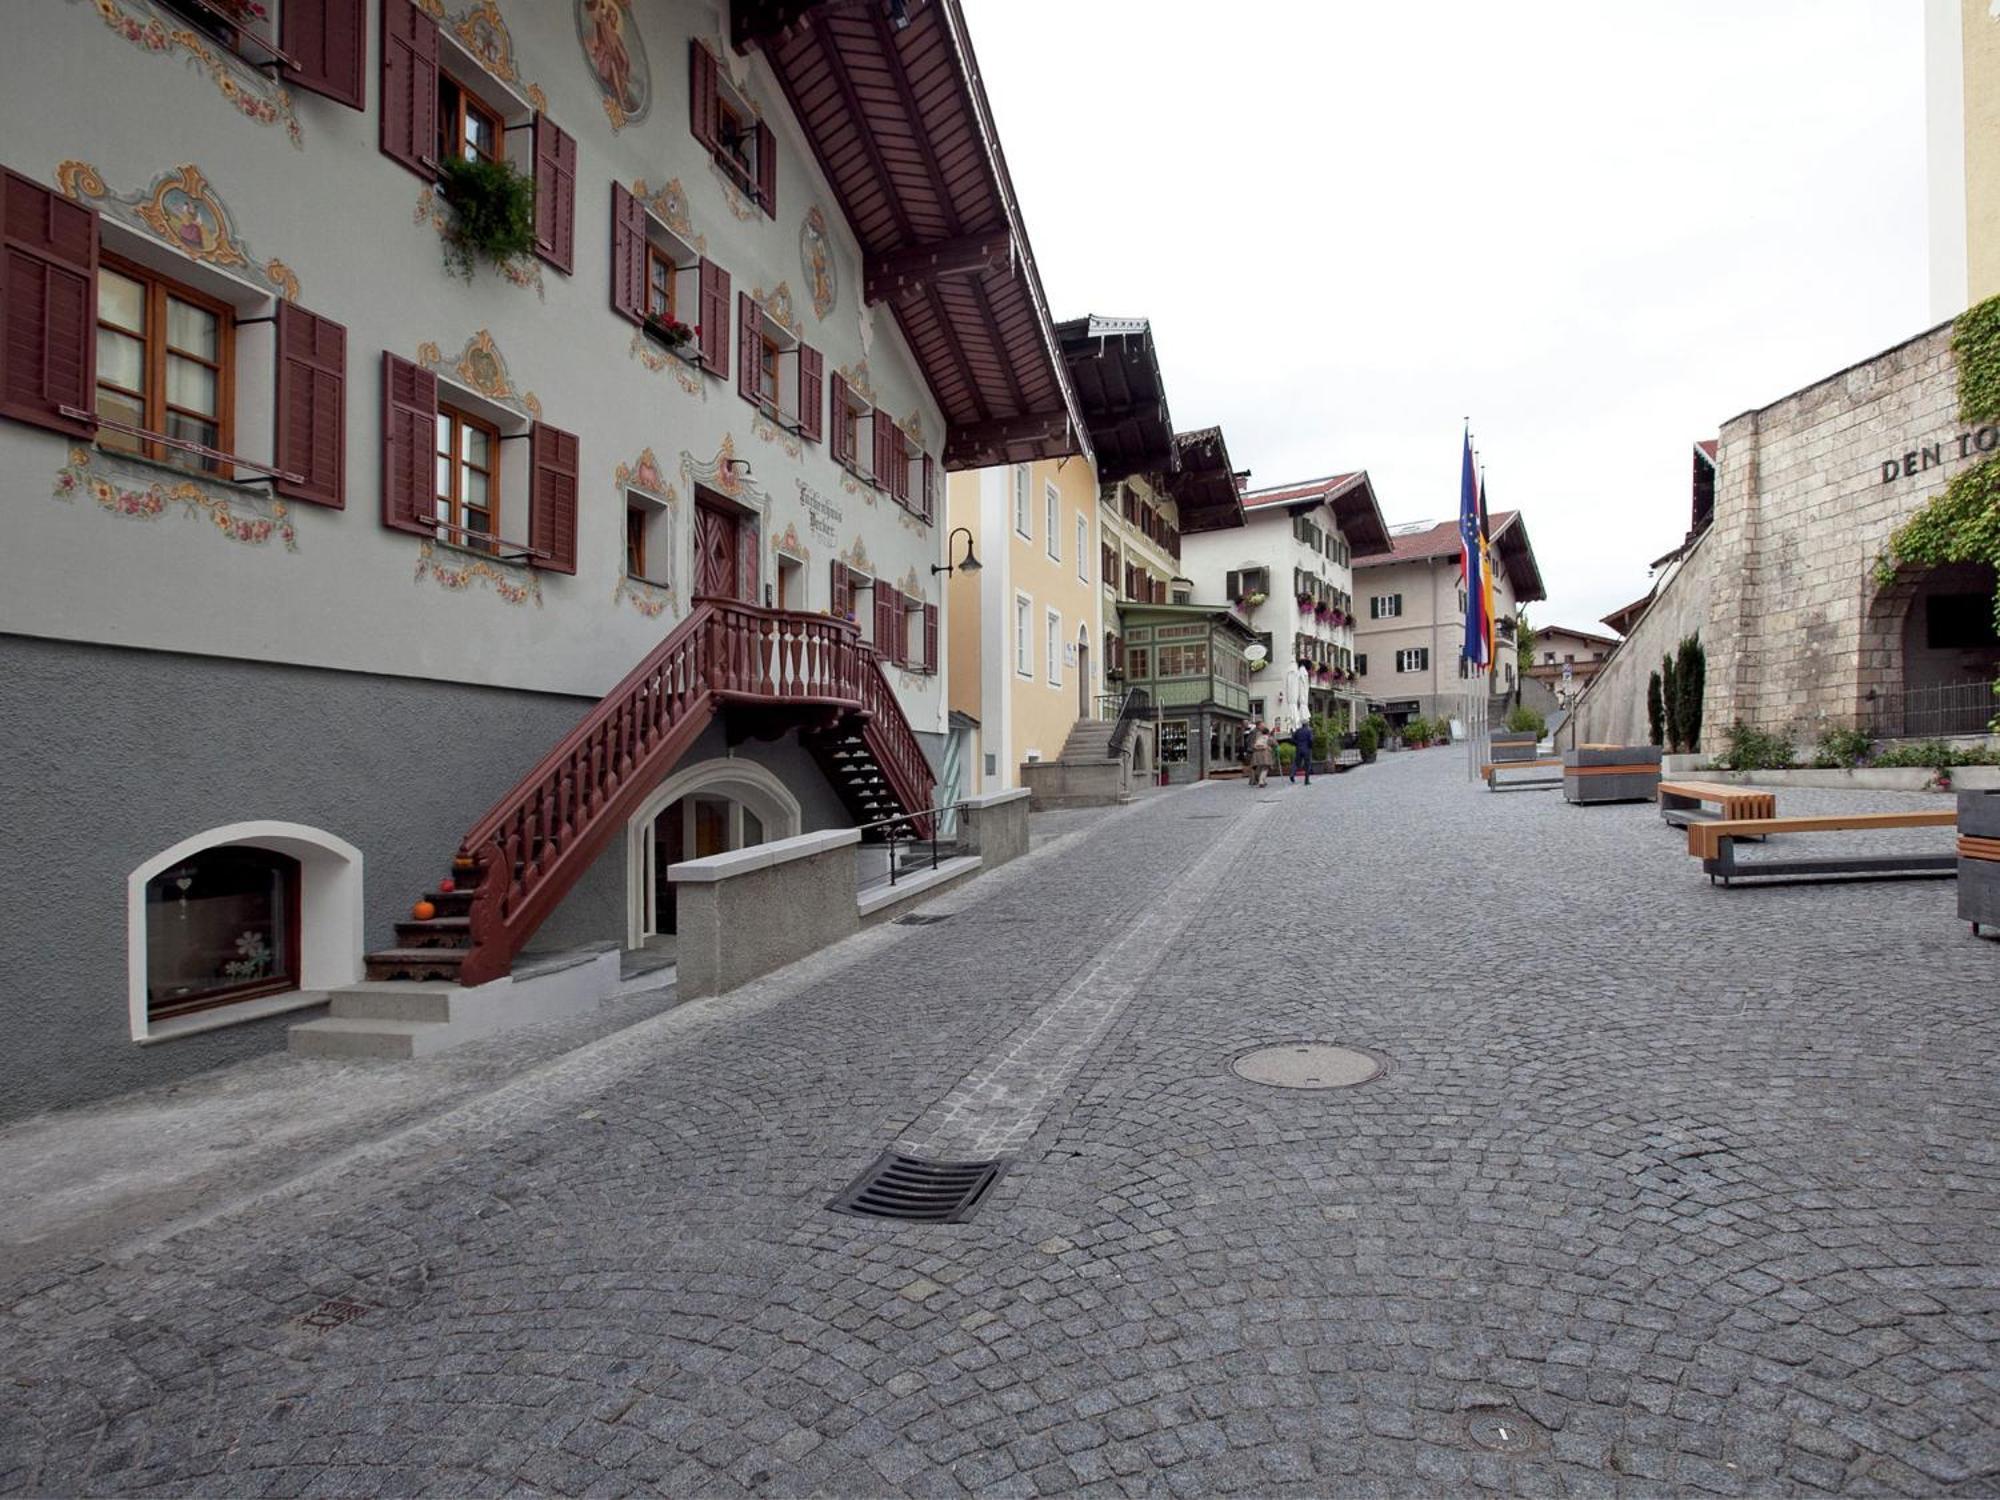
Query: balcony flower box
[[669, 333], [1305, 603]]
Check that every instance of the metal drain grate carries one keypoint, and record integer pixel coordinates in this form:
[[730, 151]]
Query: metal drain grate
[[918, 919], [332, 1313], [927, 1192]]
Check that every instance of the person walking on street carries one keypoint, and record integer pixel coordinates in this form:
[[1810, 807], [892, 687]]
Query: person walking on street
[[1260, 752], [1302, 742]]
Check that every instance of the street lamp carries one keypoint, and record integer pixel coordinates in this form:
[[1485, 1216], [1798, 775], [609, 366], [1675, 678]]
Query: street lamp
[[969, 565]]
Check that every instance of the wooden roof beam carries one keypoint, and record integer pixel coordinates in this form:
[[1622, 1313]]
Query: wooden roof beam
[[888, 276], [973, 444]]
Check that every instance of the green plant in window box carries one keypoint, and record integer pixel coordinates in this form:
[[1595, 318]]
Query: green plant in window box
[[671, 332], [492, 212]]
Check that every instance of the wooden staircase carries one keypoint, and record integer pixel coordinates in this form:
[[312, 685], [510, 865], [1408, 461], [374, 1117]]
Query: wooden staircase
[[775, 666]]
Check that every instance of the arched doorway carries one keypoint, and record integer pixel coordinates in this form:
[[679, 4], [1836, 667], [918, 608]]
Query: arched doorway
[[1929, 653], [711, 808]]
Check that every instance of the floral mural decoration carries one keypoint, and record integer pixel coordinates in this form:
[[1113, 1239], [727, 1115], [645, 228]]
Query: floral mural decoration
[[482, 367], [789, 544], [816, 261], [652, 599], [513, 585], [136, 492], [180, 208], [252, 94], [612, 46], [777, 306], [856, 557], [726, 474]]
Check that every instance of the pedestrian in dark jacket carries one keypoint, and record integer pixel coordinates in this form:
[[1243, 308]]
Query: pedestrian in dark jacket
[[1302, 742]]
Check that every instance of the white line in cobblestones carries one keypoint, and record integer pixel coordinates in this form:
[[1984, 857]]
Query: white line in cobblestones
[[996, 1108]]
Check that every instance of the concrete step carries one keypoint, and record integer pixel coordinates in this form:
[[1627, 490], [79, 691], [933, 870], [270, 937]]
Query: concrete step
[[350, 1036], [393, 1001], [418, 964]]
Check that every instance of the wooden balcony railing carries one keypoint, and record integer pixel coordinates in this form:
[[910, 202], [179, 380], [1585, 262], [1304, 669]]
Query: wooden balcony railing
[[539, 838]]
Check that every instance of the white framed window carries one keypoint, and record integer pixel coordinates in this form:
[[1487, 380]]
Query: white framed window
[[1052, 621], [1024, 640], [1414, 659], [1083, 549], [1384, 606], [1052, 521], [1024, 523]]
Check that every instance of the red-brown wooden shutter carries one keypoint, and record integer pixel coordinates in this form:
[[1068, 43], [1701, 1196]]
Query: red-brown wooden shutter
[[714, 314], [628, 254], [899, 467], [328, 39], [886, 614], [706, 120], [883, 431], [930, 637], [767, 169], [836, 408], [48, 307], [812, 394], [750, 349], [409, 87], [552, 466], [555, 194], [1232, 586], [843, 592], [929, 488], [409, 446], [311, 437]]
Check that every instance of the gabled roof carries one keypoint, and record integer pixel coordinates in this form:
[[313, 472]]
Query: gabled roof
[[1582, 635], [1621, 619], [1510, 542], [1115, 372], [1352, 497], [1205, 488], [898, 120]]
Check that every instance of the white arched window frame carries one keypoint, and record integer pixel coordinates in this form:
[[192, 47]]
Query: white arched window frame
[[743, 782], [330, 918]]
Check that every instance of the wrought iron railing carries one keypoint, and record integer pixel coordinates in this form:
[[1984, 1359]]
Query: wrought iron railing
[[917, 828], [1941, 709]]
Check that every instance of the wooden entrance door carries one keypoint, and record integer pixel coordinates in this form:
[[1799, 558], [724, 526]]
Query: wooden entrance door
[[718, 551]]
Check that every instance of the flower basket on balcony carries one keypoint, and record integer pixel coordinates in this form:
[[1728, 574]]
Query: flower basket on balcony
[[1253, 599], [670, 333], [1305, 603], [492, 212], [1258, 666], [1322, 610], [1336, 616]]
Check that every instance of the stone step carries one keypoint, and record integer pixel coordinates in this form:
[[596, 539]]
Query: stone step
[[392, 1001], [434, 932], [414, 963], [345, 1036]]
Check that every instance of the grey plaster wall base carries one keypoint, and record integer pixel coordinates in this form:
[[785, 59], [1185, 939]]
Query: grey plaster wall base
[[114, 755], [725, 905], [995, 827], [1056, 783]]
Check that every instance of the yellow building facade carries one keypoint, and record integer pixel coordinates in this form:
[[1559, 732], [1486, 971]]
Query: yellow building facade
[[1027, 628], [1962, 89]]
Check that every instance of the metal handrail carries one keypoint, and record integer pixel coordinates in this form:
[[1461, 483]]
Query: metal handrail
[[1137, 702], [185, 445], [936, 821]]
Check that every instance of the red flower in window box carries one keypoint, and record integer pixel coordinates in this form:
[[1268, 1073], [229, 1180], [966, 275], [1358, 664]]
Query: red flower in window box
[[670, 331]]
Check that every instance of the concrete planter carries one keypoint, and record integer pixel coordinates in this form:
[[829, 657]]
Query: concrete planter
[[1636, 777], [1675, 765], [1979, 879], [1864, 778], [1512, 745]]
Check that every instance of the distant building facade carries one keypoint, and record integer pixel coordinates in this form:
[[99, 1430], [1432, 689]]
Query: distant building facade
[[1564, 659], [1410, 617]]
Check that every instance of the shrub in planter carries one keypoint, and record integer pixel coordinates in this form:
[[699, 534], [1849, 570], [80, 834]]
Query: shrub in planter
[[1754, 750], [1366, 740], [1841, 749], [492, 212], [1287, 752], [1525, 720]]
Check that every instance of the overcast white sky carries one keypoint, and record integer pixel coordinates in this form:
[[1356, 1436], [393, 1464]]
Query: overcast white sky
[[1599, 229]]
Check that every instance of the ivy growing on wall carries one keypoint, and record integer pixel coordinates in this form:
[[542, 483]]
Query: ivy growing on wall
[[1962, 524]]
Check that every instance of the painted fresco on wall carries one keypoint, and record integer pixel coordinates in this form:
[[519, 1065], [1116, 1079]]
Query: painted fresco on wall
[[823, 514], [652, 599], [513, 583], [250, 91], [182, 209], [816, 261], [135, 490], [789, 544], [670, 206], [726, 474], [482, 31], [482, 367], [612, 46]]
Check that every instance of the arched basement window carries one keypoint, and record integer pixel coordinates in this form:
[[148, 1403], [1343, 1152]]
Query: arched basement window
[[221, 925]]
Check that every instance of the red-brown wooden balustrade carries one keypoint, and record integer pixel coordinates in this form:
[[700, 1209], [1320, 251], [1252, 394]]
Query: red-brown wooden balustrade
[[540, 838]]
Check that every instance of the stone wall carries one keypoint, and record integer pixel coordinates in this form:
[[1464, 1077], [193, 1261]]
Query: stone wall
[[1612, 710]]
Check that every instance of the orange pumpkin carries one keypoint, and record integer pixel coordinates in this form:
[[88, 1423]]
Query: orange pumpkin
[[423, 911]]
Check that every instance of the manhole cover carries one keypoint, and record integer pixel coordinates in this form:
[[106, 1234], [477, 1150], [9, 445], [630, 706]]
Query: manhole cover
[[1309, 1065], [908, 1187], [1503, 1431]]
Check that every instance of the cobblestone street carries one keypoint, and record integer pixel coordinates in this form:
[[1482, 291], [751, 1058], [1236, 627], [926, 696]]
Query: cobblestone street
[[1666, 1189]]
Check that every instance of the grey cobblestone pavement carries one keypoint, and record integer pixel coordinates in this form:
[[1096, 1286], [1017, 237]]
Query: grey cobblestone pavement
[[1685, 1190]]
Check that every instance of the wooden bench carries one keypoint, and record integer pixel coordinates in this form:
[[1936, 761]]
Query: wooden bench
[[1681, 802], [1492, 769], [1714, 841]]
